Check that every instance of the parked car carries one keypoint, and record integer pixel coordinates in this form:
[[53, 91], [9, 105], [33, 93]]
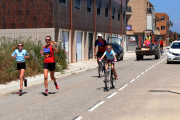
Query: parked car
[[118, 51], [173, 54]]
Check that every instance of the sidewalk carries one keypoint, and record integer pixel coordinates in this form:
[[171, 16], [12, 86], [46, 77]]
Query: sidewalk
[[72, 69]]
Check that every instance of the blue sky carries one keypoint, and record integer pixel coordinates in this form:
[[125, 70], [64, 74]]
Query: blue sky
[[172, 8]]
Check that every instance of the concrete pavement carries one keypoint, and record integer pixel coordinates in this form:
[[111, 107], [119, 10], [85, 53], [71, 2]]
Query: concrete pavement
[[73, 68]]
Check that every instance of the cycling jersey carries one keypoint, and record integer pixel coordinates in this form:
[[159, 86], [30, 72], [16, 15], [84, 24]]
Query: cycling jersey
[[110, 56], [161, 42], [20, 55], [101, 45], [49, 54]]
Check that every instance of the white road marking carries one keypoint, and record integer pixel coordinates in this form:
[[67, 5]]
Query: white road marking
[[110, 96], [78, 118], [138, 76], [123, 87], [153, 65], [150, 68], [142, 73], [146, 70], [97, 105], [132, 81]]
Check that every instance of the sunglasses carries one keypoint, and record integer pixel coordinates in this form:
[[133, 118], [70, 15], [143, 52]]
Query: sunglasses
[[108, 48], [20, 45], [48, 39]]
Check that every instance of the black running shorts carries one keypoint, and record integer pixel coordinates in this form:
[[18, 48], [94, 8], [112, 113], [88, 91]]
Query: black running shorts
[[49, 66], [21, 66]]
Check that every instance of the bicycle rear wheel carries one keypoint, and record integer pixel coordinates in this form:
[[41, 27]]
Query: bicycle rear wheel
[[113, 80], [100, 69], [107, 80]]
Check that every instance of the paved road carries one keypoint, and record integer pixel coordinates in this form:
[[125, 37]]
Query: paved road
[[147, 89]]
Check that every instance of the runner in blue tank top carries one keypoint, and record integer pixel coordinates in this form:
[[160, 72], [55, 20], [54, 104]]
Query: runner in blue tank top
[[20, 55]]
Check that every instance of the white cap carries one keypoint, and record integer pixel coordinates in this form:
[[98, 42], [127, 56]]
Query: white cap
[[99, 35]]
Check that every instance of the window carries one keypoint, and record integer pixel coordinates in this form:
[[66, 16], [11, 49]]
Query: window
[[106, 10], [89, 5], [124, 16], [119, 15], [113, 12], [162, 18], [78, 4], [162, 27], [98, 7], [63, 2]]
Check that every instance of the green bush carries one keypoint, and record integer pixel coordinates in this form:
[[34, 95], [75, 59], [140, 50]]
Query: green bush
[[35, 62], [170, 40]]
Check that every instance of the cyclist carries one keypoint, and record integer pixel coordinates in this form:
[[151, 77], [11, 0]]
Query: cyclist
[[101, 43], [20, 55], [161, 44], [109, 53], [49, 63]]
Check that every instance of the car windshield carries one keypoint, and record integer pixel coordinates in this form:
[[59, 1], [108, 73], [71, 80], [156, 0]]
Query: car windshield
[[115, 47], [175, 45]]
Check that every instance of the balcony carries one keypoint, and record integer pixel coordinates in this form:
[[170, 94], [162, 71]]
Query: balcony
[[169, 23], [168, 32], [150, 10], [128, 10]]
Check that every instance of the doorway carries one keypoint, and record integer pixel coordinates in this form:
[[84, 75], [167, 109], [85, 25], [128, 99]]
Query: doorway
[[78, 46], [90, 46]]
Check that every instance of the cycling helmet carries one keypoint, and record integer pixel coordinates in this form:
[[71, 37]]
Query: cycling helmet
[[99, 35]]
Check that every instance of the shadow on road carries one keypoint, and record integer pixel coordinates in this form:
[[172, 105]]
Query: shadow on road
[[173, 63], [17, 93], [164, 91], [104, 89], [95, 76], [146, 59], [43, 93]]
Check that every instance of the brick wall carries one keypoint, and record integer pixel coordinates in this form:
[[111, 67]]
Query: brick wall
[[162, 22], [138, 19], [26, 14], [16, 14]]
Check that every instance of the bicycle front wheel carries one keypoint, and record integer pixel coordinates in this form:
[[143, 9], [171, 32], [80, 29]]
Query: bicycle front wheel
[[107, 80], [113, 80]]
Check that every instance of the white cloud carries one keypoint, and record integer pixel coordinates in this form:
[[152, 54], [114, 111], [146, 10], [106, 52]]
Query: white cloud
[[177, 21]]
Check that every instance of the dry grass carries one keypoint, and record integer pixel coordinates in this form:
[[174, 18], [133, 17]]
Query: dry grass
[[34, 65]]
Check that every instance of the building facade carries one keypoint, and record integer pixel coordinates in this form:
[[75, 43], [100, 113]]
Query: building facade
[[164, 25], [75, 23], [139, 17]]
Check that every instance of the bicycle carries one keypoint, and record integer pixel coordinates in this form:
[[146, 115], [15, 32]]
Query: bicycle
[[101, 67], [109, 77]]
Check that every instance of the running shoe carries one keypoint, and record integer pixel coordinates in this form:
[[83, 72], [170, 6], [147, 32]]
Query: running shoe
[[46, 93], [56, 85], [116, 76], [25, 83], [20, 92]]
